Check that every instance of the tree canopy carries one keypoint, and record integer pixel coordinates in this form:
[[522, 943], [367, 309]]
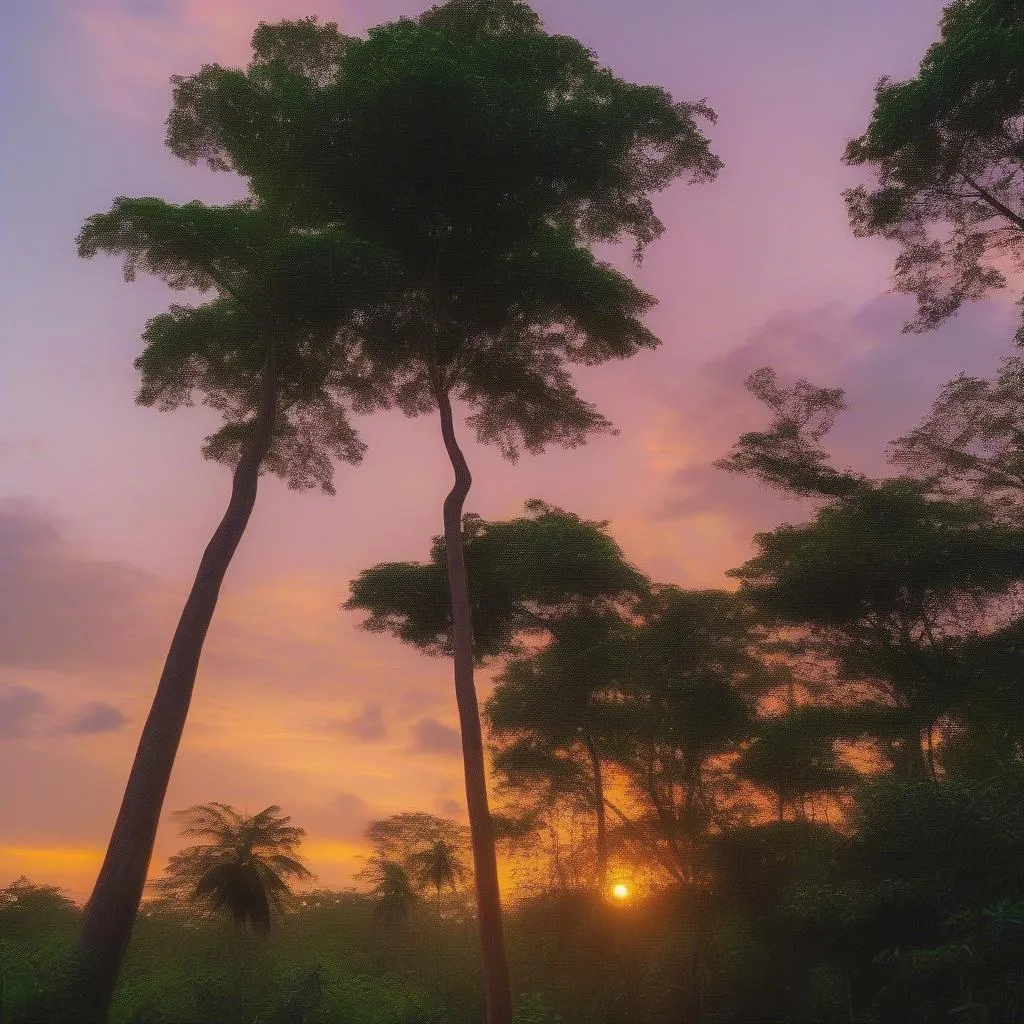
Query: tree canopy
[[310, 294], [524, 575], [245, 868], [948, 149]]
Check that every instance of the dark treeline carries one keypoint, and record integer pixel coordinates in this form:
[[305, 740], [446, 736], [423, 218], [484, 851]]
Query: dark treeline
[[799, 799]]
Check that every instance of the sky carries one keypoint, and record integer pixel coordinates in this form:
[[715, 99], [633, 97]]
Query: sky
[[105, 507]]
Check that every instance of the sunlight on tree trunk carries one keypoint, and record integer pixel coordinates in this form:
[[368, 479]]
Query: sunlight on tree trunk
[[602, 836]]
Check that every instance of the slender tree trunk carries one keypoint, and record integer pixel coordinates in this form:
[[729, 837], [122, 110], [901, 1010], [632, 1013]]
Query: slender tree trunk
[[497, 991], [111, 911], [602, 832]]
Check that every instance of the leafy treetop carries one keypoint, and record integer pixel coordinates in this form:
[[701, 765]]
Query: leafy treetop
[[948, 147], [310, 295], [524, 575]]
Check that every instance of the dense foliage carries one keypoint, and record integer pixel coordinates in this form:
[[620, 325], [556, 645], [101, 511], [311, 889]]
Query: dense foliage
[[798, 801]]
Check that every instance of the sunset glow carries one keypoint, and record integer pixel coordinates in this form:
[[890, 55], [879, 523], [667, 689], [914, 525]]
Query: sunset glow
[[106, 507]]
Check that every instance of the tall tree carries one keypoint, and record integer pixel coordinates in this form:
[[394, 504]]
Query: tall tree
[[548, 574], [277, 354], [689, 696], [550, 714], [245, 868], [890, 582], [488, 156], [948, 148], [525, 576]]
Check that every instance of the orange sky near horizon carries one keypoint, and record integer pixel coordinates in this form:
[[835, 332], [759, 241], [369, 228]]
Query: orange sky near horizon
[[105, 507]]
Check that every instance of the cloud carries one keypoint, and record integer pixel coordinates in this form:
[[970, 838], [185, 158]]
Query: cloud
[[367, 725], [96, 717], [890, 380], [346, 817], [451, 809], [20, 707], [69, 610], [433, 737]]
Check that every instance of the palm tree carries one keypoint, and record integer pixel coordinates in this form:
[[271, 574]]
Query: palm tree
[[438, 866], [488, 157], [277, 352], [245, 869], [393, 894]]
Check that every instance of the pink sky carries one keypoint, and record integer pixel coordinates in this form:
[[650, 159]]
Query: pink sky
[[105, 507]]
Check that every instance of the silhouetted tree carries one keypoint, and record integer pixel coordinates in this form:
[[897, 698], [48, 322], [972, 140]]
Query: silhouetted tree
[[277, 353], [899, 581], [971, 443], [689, 697], [544, 575], [487, 156], [889, 582], [391, 889], [948, 148], [550, 714], [788, 456], [245, 869], [794, 756], [421, 842]]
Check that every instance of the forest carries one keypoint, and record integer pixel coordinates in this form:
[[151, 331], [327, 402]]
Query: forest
[[796, 798]]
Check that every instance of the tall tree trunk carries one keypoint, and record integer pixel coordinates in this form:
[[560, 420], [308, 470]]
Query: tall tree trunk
[[497, 991], [111, 911], [602, 832]]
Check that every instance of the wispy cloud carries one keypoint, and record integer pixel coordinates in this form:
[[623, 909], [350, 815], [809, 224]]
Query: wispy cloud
[[433, 737], [73, 611], [366, 725], [20, 708], [97, 717]]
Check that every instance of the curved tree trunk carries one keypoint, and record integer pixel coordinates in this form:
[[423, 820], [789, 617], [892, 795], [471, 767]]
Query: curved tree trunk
[[602, 831], [111, 911], [492, 940]]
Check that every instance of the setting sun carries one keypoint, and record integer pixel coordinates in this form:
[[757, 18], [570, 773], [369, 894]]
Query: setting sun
[[620, 891]]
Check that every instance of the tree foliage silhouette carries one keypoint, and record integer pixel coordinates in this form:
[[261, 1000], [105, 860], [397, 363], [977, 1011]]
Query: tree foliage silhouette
[[971, 442], [550, 714], [487, 156], [889, 583], [278, 354], [948, 149], [245, 868]]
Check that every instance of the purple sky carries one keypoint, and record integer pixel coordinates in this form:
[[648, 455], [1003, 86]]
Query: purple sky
[[105, 507]]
